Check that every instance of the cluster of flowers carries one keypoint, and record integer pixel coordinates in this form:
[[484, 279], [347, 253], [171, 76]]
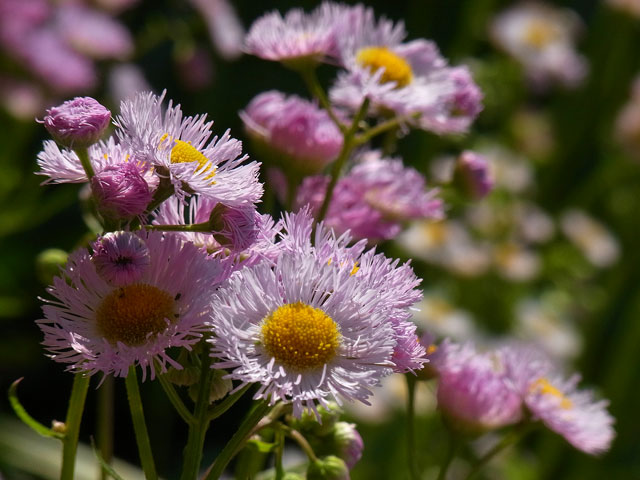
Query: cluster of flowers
[[299, 308]]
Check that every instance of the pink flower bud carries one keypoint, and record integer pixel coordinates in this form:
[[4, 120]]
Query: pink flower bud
[[77, 123]]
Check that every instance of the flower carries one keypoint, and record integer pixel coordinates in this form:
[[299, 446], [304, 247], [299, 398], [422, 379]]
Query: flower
[[473, 175], [297, 39], [77, 123], [177, 146], [120, 191], [120, 257], [225, 29], [592, 238], [316, 324], [299, 134], [95, 325], [410, 80], [541, 38], [373, 198], [474, 390], [582, 421], [349, 443]]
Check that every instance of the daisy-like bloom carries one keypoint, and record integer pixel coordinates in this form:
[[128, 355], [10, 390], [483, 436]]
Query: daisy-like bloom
[[583, 421], [120, 258], [95, 326], [473, 175], [374, 198], [178, 147], [295, 132], [298, 38], [541, 37], [120, 191], [410, 80], [77, 123], [318, 324], [239, 230], [474, 390]]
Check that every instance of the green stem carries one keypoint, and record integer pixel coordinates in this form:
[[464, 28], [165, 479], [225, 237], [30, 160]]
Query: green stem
[[509, 439], [227, 403], [313, 84], [28, 419], [105, 423], [411, 432], [72, 423], [139, 425], [279, 451], [382, 127], [198, 428], [194, 227], [175, 399], [238, 440], [451, 453], [302, 442], [83, 155], [348, 145]]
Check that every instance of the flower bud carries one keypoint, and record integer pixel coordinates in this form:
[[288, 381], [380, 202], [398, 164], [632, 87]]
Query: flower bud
[[349, 443], [77, 123], [120, 191], [234, 228], [308, 422], [120, 258], [472, 175], [328, 468], [48, 264]]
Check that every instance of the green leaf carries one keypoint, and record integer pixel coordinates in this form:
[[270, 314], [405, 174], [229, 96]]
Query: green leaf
[[26, 418], [262, 447]]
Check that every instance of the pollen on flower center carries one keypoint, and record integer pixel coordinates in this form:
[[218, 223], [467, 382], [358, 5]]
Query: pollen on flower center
[[544, 387], [184, 152], [300, 336], [396, 68], [130, 313]]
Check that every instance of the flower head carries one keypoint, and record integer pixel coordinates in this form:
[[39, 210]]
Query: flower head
[[120, 191], [299, 134], [313, 325], [177, 146], [473, 175], [541, 38], [77, 123], [95, 325], [410, 80]]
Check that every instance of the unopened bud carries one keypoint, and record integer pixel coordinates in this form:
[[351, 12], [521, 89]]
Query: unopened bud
[[328, 468], [77, 123]]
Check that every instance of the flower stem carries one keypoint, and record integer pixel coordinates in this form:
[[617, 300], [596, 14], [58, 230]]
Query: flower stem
[[387, 126], [454, 443], [139, 426], [314, 87], [193, 227], [302, 442], [105, 423], [83, 155], [278, 454], [198, 428], [509, 439], [348, 145], [238, 440], [414, 472], [175, 399], [227, 403], [72, 423]]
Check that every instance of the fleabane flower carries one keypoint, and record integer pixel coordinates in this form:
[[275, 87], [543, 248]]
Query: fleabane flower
[[105, 317], [120, 191], [298, 39], [541, 37], [313, 325], [374, 198], [555, 400], [472, 175], [475, 392], [296, 133], [178, 147], [411, 80], [77, 123]]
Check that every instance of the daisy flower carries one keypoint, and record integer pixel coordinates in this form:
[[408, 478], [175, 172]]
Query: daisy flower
[[128, 303], [409, 80], [310, 328], [298, 38], [180, 149]]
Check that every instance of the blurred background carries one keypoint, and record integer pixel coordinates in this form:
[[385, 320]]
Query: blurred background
[[549, 257]]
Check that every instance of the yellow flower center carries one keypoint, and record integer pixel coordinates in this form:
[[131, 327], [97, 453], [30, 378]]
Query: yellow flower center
[[355, 269], [432, 349], [539, 34], [544, 387], [184, 152], [396, 68], [300, 336], [131, 313]]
